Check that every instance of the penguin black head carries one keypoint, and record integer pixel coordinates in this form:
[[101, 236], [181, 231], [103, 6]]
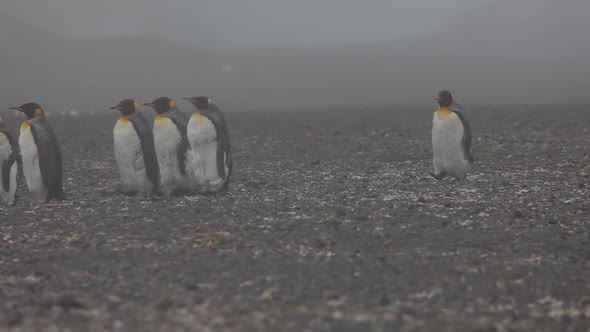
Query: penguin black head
[[127, 107], [162, 104], [445, 98], [201, 102], [31, 110]]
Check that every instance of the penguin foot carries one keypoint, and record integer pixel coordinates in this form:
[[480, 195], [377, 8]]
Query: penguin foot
[[437, 176], [130, 193], [179, 192], [156, 193], [60, 196]]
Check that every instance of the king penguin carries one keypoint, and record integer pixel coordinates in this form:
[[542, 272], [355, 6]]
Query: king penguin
[[8, 166], [134, 150], [451, 138], [209, 140], [171, 145], [41, 154]]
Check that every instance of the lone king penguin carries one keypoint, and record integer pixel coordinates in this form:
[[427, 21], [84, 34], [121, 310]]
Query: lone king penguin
[[451, 139], [208, 136], [9, 157], [171, 145], [134, 150], [41, 154]]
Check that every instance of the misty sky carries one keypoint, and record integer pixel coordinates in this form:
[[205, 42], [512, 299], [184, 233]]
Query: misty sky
[[489, 51], [244, 23]]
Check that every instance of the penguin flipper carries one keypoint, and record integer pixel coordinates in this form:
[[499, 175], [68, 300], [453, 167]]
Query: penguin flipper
[[467, 136], [222, 149], [223, 141], [181, 154], [148, 148], [181, 122], [50, 160]]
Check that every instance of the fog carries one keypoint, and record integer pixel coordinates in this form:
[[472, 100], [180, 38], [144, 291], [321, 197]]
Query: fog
[[72, 54]]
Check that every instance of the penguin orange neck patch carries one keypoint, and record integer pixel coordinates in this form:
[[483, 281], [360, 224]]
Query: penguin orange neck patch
[[443, 111], [123, 119], [160, 118], [25, 126], [38, 112], [197, 115]]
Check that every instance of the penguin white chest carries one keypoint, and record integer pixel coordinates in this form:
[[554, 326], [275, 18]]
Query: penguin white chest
[[129, 157], [30, 160], [447, 138], [167, 140], [7, 190], [201, 130], [202, 137]]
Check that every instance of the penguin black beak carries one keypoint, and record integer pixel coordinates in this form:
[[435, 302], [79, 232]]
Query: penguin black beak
[[150, 105], [118, 108], [20, 109], [189, 99]]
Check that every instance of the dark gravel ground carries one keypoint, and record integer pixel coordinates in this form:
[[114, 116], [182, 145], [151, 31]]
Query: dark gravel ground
[[331, 224]]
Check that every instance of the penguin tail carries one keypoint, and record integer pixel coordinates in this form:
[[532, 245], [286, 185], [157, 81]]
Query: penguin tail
[[60, 195], [157, 192], [225, 186]]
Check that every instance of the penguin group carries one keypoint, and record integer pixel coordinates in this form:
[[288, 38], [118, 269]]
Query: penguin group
[[180, 155]]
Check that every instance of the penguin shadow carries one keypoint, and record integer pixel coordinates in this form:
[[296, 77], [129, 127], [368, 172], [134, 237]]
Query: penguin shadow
[[161, 196]]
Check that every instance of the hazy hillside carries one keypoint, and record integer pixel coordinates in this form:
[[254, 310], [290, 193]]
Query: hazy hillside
[[503, 53]]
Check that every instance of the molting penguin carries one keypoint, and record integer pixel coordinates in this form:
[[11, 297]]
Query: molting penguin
[[209, 139], [134, 150], [171, 145], [451, 139], [41, 155], [8, 166]]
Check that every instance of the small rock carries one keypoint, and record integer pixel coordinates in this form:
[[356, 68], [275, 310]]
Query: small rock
[[14, 317], [254, 184], [357, 253], [421, 199], [477, 211], [362, 217], [384, 300], [340, 212], [164, 304], [321, 244], [190, 285], [518, 214], [315, 163], [68, 301]]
